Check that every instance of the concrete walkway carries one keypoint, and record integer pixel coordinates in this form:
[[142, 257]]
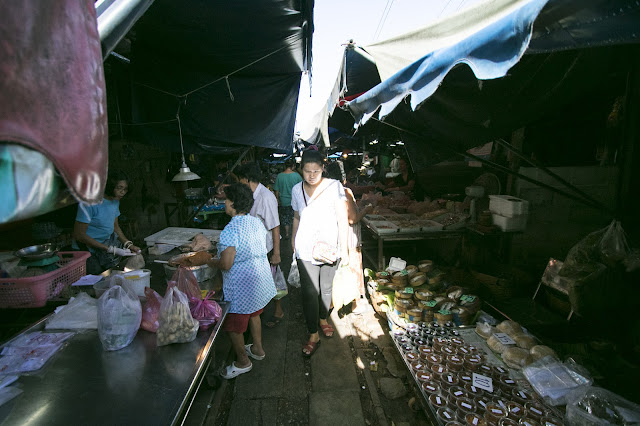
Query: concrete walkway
[[337, 385]]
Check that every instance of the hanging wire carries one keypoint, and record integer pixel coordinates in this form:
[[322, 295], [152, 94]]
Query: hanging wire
[[443, 9], [229, 88], [180, 129], [383, 19], [241, 68], [225, 77]]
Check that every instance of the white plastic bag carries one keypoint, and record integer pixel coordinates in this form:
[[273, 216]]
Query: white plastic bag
[[79, 313], [594, 406], [119, 316], [294, 274], [345, 287], [281, 283]]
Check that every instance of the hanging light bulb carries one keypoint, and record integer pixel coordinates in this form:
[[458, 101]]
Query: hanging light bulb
[[185, 174]]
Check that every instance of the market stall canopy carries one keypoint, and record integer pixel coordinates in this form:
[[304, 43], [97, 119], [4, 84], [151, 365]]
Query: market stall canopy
[[448, 108], [233, 68], [357, 74]]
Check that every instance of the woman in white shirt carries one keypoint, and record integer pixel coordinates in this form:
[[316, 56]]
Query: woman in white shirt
[[319, 241]]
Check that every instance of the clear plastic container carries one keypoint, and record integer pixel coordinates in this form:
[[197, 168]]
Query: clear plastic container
[[446, 414], [431, 387], [494, 413], [515, 410], [424, 376], [456, 392], [465, 406], [449, 379], [438, 401]]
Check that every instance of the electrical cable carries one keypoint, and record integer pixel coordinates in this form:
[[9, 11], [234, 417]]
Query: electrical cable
[[443, 9], [383, 19]]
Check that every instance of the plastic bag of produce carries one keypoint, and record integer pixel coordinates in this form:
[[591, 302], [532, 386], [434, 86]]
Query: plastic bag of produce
[[119, 316], [591, 406], [294, 274], [151, 310], [206, 311], [186, 282], [281, 283], [176, 325]]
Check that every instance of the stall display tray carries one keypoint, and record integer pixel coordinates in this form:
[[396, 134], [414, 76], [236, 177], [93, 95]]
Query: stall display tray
[[490, 396], [384, 227], [452, 221], [374, 218], [180, 236], [429, 225]]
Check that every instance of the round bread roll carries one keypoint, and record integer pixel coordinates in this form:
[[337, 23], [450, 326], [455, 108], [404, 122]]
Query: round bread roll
[[454, 293], [496, 345], [417, 279], [510, 327], [442, 301], [448, 305], [423, 295], [540, 351], [402, 294], [485, 330], [516, 357], [411, 269], [524, 341], [383, 274], [425, 265]]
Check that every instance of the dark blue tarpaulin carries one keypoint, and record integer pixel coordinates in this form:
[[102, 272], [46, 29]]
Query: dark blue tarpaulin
[[234, 68], [558, 61]]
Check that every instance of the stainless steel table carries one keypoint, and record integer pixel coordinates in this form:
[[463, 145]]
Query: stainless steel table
[[140, 384]]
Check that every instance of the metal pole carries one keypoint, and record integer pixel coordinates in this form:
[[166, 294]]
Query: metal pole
[[597, 206], [537, 164]]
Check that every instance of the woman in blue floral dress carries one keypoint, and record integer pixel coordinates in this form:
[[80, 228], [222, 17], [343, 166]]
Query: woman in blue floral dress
[[246, 275]]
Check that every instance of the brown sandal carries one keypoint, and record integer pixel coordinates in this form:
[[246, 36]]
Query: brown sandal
[[327, 330], [310, 348]]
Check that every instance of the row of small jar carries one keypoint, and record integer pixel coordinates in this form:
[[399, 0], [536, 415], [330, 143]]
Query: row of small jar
[[445, 372], [456, 391]]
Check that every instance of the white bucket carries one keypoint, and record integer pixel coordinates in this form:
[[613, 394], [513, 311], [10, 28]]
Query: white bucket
[[138, 279]]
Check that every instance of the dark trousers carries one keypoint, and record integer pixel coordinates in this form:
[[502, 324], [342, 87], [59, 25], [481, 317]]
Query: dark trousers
[[316, 282]]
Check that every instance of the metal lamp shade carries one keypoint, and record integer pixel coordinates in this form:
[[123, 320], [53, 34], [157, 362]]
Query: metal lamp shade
[[185, 174]]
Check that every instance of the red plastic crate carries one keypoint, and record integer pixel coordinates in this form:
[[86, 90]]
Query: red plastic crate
[[33, 292]]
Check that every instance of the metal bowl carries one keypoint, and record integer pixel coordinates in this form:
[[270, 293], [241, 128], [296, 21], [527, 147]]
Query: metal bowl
[[37, 252], [202, 272]]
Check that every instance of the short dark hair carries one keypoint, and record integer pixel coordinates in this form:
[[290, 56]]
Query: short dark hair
[[289, 163], [113, 178], [333, 171], [312, 156], [241, 197], [250, 171]]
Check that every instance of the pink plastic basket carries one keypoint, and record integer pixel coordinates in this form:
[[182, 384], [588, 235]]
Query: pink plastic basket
[[33, 292]]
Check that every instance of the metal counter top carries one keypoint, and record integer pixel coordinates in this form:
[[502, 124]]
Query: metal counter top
[[140, 384]]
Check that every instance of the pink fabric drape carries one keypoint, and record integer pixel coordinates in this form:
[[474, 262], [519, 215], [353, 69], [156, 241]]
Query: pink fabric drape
[[52, 88]]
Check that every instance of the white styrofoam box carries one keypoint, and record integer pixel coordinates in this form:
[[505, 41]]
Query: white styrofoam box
[[180, 236], [513, 223], [506, 205]]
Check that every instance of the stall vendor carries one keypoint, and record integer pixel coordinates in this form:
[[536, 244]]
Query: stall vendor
[[403, 179], [96, 228]]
